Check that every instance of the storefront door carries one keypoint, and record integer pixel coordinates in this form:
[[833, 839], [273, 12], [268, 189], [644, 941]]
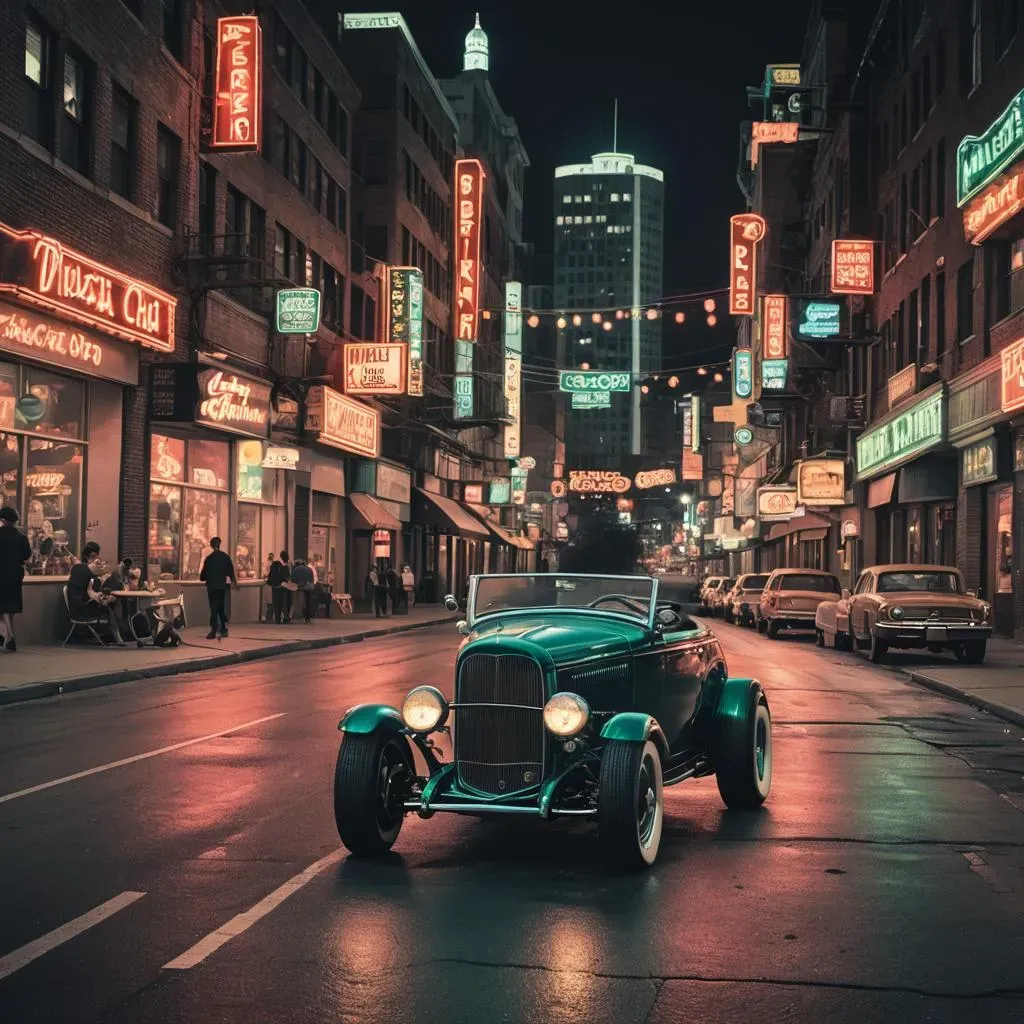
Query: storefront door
[[1000, 556]]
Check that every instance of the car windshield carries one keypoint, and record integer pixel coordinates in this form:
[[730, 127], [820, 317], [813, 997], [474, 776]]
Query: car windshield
[[754, 582], [932, 582], [818, 584], [625, 595]]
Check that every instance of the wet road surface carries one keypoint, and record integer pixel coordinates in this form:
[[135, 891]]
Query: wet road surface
[[168, 854]]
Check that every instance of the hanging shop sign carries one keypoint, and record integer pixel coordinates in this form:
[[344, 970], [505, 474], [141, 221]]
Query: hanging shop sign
[[646, 479], [469, 194], [595, 481], [693, 465], [781, 74], [229, 401], [774, 374], [696, 411], [40, 271], [518, 485], [745, 231], [992, 208], [978, 462], [776, 504], [513, 404], [743, 373], [774, 340], [297, 311], [238, 84], [499, 491], [375, 369], [463, 387], [514, 317], [342, 422], [1012, 395], [915, 430], [902, 384], [853, 266], [687, 417], [815, 319], [592, 400], [281, 457], [743, 436], [764, 133], [576, 382], [381, 543], [982, 158], [473, 494], [558, 489], [403, 320], [821, 482], [24, 332], [527, 462]]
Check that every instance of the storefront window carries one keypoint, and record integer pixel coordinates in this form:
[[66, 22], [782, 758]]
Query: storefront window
[[323, 540], [915, 535], [60, 407], [208, 464], [1003, 537], [942, 535], [260, 494], [10, 469], [164, 532]]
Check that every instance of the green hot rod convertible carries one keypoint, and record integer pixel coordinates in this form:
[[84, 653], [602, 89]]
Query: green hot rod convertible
[[575, 696]]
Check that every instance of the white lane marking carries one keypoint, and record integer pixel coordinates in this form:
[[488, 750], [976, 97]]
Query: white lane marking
[[136, 757], [51, 940], [242, 922]]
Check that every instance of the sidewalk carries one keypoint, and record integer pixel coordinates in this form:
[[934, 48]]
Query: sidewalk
[[997, 685], [38, 670]]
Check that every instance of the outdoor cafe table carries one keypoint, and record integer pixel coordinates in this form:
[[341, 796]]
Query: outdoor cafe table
[[136, 597]]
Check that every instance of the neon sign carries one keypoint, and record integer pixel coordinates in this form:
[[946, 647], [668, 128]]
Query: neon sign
[[774, 374], [746, 230], [815, 319], [41, 271], [343, 422], [570, 380], [513, 374], [853, 267], [238, 84], [405, 318], [233, 403], [469, 193], [774, 342], [595, 481], [743, 373], [994, 206], [981, 158], [647, 479], [1012, 397], [298, 311], [764, 133], [375, 369]]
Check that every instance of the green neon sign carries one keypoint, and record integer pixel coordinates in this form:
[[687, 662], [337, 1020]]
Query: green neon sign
[[298, 311], [743, 436], [920, 427], [743, 373], [575, 381], [592, 400], [980, 159]]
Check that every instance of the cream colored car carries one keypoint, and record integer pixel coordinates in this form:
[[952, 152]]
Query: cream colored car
[[791, 597]]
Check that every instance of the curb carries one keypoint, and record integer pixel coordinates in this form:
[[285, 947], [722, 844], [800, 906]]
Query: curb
[[40, 690], [948, 690]]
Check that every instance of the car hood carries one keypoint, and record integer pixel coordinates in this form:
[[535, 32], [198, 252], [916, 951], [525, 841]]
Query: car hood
[[566, 637]]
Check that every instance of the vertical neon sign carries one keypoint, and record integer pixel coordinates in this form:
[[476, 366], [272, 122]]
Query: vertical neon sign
[[746, 230], [774, 340], [238, 84], [469, 192]]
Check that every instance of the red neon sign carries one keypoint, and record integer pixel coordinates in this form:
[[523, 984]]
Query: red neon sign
[[995, 206], [765, 132], [774, 342], [42, 272], [238, 84], [469, 195], [853, 267], [746, 230]]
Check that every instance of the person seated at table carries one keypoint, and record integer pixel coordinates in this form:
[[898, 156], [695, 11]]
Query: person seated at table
[[86, 597]]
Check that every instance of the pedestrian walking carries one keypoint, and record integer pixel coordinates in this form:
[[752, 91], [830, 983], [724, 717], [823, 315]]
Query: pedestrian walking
[[409, 586], [378, 588], [277, 575], [304, 580], [394, 582], [218, 573], [15, 551]]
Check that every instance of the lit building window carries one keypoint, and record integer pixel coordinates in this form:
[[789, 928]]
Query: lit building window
[[559, 220], [577, 220], [588, 219], [615, 197], [627, 197], [577, 199], [611, 229], [587, 198], [566, 199]]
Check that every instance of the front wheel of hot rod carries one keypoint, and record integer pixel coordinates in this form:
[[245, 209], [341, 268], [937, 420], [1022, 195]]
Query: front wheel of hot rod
[[371, 778], [630, 804], [743, 746]]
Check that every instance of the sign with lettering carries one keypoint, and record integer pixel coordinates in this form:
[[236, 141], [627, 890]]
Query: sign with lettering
[[979, 462], [648, 478], [774, 339], [592, 400], [372, 21], [513, 396], [500, 491], [743, 373], [23, 332], [815, 319], [576, 381], [587, 481], [297, 311], [763, 133], [518, 484], [982, 158], [463, 387], [774, 374], [229, 401], [473, 494], [743, 436], [693, 465], [776, 504], [915, 430], [992, 208], [469, 195], [745, 232], [238, 84], [42, 272], [783, 74], [342, 422], [902, 384], [394, 483], [1012, 396], [853, 266], [409, 280], [281, 457], [821, 482], [375, 369]]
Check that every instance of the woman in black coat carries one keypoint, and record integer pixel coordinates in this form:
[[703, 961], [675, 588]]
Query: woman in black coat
[[14, 553]]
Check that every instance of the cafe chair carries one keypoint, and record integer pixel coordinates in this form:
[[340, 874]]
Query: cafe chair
[[89, 622], [344, 603]]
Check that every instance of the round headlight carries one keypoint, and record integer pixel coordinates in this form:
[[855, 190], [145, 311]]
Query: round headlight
[[424, 709], [896, 613], [566, 714]]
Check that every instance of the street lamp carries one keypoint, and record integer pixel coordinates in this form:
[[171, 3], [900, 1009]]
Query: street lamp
[[685, 498]]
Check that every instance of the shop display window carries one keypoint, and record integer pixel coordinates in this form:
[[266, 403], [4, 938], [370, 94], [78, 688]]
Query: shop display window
[[260, 494], [915, 535], [323, 537]]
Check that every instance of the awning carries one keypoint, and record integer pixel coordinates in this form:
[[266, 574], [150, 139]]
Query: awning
[[371, 515], [499, 531], [799, 524], [447, 515], [880, 490]]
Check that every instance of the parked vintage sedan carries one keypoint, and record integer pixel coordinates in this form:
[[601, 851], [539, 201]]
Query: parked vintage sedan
[[710, 585], [574, 696], [744, 596], [791, 597], [911, 607]]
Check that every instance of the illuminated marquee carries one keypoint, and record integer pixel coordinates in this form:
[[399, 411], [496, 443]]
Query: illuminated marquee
[[595, 481], [982, 158], [646, 479], [42, 272], [375, 369], [238, 84], [229, 401], [993, 207], [774, 340], [853, 267], [746, 230], [469, 193], [764, 133], [343, 422]]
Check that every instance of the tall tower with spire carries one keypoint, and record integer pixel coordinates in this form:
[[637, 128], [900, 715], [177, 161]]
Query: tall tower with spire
[[476, 56]]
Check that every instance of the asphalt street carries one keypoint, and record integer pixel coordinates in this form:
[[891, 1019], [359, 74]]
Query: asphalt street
[[168, 856]]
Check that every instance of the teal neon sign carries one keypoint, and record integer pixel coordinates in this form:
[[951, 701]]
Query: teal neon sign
[[920, 427], [980, 159]]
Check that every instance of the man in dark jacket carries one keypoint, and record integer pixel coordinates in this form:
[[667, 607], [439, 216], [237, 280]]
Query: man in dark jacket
[[303, 578], [277, 575], [218, 573]]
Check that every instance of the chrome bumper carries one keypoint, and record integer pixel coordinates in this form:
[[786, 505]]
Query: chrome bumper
[[425, 810], [918, 631]]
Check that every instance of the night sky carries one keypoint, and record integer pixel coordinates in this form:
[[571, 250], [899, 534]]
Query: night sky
[[680, 79]]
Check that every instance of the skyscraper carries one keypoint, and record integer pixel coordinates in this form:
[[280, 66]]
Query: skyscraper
[[608, 252]]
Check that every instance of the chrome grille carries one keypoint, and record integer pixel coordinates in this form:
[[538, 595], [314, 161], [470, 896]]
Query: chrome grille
[[499, 738], [604, 688], [942, 613]]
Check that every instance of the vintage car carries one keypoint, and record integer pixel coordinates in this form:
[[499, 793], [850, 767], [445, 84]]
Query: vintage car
[[716, 597], [708, 587], [741, 599], [574, 696], [791, 597], [907, 606]]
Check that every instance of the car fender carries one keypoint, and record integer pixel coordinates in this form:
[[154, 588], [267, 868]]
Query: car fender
[[635, 727], [733, 701], [368, 718]]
